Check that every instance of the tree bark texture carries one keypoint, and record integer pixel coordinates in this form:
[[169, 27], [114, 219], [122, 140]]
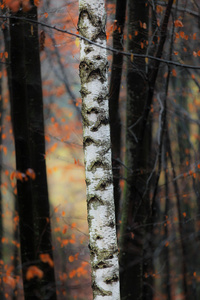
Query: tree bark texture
[[135, 204], [97, 150], [28, 127]]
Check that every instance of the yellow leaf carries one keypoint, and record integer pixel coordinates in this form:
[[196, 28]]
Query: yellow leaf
[[77, 42], [132, 56]]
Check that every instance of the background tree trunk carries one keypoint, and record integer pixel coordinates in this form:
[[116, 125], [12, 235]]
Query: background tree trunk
[[114, 109], [135, 205], [28, 127]]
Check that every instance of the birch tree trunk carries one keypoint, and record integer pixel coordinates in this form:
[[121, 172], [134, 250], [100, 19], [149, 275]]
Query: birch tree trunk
[[97, 149]]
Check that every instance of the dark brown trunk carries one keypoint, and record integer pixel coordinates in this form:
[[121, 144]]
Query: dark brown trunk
[[28, 127], [115, 83], [134, 204]]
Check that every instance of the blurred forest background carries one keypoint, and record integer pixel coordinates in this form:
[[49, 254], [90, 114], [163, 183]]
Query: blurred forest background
[[156, 146]]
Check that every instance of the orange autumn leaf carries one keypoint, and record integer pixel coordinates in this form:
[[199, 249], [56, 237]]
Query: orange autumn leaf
[[56, 209], [6, 172], [21, 176], [10, 281], [144, 25], [36, 2], [16, 244], [73, 225], [26, 5], [16, 219], [159, 9], [53, 148], [30, 172], [71, 258], [177, 35], [76, 256], [18, 175], [174, 73], [63, 276], [57, 229], [34, 271], [72, 274], [178, 23], [5, 150], [72, 241], [194, 54], [47, 138], [13, 5], [65, 242], [45, 258], [65, 227], [4, 240]]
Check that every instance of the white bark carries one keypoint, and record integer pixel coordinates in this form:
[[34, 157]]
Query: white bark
[[96, 140]]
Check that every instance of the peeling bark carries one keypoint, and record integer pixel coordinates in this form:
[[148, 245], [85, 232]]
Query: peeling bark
[[97, 149]]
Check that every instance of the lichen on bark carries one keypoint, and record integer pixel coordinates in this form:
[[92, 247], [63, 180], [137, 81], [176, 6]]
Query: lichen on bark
[[96, 136]]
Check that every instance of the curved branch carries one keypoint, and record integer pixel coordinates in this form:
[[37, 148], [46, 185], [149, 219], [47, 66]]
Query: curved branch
[[128, 54]]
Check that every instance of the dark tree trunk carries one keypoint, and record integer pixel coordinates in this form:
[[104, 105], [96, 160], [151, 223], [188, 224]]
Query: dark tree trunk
[[2, 295], [166, 255], [115, 82], [184, 144], [28, 127], [135, 204]]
